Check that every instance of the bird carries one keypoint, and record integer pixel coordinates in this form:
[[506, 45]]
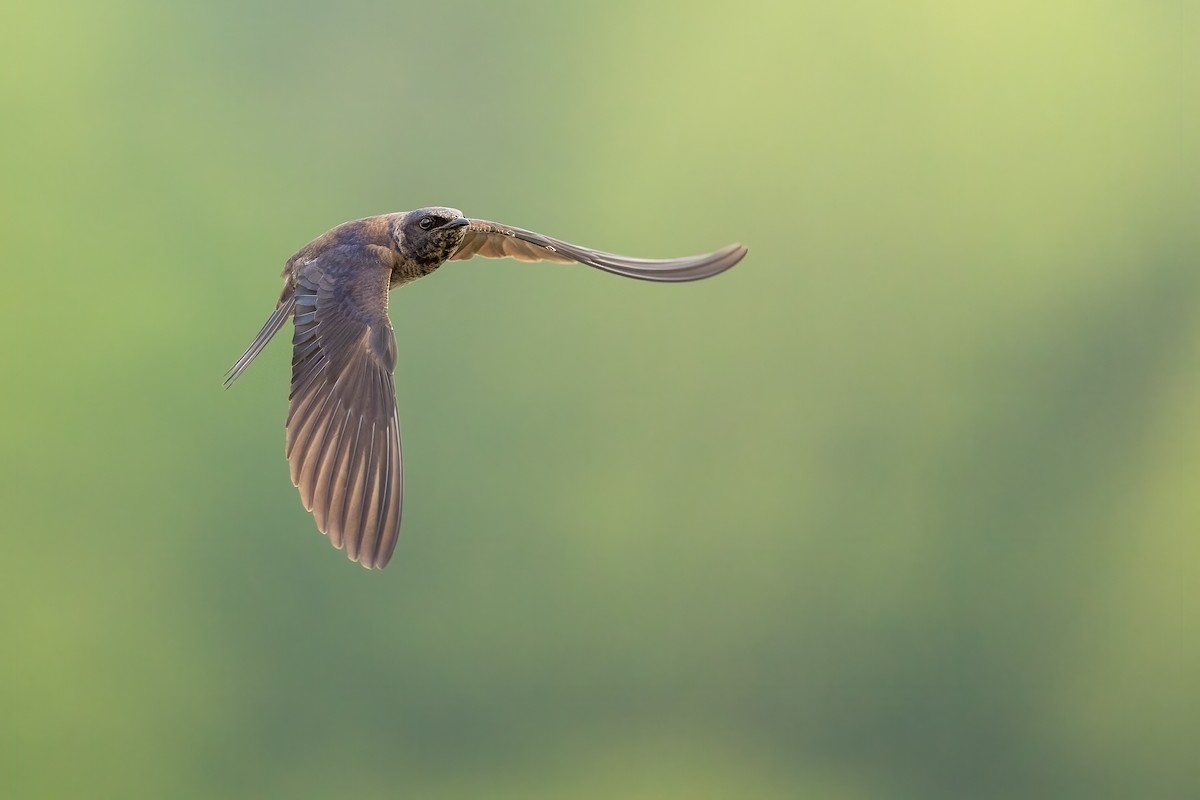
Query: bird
[[342, 429]]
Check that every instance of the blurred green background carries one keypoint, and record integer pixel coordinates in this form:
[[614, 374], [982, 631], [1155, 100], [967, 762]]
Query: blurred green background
[[902, 507]]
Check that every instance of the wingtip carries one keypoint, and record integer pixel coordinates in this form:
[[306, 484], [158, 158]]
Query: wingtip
[[727, 258]]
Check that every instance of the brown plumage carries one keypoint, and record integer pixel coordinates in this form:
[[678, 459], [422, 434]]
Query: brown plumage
[[343, 437]]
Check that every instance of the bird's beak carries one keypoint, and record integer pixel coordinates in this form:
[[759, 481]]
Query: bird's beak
[[460, 222]]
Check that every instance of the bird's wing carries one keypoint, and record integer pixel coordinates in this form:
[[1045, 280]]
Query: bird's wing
[[343, 438], [492, 240], [269, 329]]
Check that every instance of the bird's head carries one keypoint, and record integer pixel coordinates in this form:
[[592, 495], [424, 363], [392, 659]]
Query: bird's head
[[428, 236]]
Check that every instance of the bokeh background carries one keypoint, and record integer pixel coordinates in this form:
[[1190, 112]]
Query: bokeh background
[[902, 507]]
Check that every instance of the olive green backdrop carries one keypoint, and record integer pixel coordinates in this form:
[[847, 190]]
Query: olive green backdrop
[[902, 507]]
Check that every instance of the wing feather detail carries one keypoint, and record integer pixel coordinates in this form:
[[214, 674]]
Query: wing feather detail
[[493, 240]]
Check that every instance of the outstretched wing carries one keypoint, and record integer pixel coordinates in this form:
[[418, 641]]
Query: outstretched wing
[[491, 240], [271, 327], [343, 438]]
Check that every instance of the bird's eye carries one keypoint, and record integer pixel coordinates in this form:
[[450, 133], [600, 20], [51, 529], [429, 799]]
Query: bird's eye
[[426, 223]]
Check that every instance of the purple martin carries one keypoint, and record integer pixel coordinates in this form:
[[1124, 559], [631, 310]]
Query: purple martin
[[343, 436]]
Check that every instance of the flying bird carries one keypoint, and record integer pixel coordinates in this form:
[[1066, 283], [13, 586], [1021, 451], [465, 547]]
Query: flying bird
[[343, 436]]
